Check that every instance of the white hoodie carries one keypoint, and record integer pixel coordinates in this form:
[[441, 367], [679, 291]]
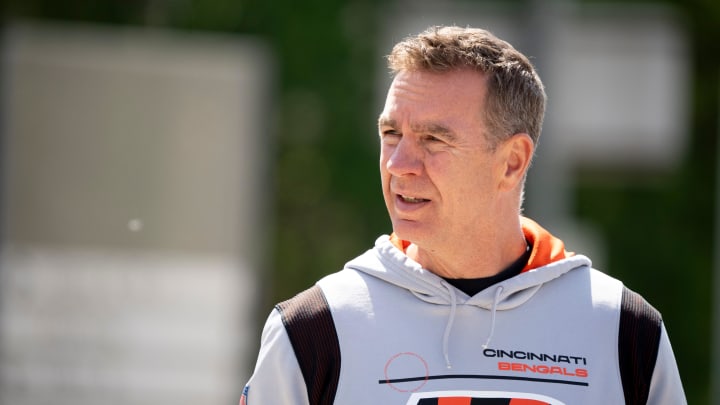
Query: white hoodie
[[405, 336]]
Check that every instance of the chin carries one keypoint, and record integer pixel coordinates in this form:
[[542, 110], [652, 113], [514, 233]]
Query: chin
[[410, 231]]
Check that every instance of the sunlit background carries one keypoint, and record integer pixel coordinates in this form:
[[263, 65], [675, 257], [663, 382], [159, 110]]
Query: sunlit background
[[171, 168]]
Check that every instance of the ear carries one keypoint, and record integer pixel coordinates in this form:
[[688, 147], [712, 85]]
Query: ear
[[516, 154]]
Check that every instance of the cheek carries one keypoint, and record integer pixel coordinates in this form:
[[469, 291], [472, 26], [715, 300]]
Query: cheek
[[384, 175], [466, 183], [384, 155]]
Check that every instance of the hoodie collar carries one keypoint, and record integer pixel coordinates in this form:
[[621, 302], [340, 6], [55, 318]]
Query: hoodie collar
[[548, 260], [546, 248]]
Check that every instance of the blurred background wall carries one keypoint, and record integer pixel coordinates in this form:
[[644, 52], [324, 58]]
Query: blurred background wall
[[133, 213], [139, 246]]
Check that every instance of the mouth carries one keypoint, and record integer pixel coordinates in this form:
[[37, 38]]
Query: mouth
[[411, 199]]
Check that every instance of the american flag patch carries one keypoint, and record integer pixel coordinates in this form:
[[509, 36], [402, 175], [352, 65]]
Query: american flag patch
[[243, 397]]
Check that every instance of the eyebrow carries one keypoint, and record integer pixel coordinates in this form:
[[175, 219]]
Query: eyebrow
[[421, 127], [386, 122]]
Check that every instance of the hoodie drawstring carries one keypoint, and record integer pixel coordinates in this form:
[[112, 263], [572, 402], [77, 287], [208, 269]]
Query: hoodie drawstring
[[448, 327], [451, 320], [492, 316]]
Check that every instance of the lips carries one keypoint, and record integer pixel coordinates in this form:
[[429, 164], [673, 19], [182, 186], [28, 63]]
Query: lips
[[408, 206], [411, 199]]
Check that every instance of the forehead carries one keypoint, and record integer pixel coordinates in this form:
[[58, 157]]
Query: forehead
[[420, 98]]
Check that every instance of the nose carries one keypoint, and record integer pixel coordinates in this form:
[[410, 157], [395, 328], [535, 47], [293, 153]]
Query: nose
[[405, 158]]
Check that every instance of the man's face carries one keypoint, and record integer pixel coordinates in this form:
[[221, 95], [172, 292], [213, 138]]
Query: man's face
[[439, 175]]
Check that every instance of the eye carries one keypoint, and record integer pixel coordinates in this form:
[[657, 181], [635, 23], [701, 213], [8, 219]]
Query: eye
[[390, 136], [433, 139]]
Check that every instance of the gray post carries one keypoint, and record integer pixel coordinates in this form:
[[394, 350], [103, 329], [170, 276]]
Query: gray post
[[715, 365]]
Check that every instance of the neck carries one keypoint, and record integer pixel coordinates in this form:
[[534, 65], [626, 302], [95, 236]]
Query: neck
[[473, 256]]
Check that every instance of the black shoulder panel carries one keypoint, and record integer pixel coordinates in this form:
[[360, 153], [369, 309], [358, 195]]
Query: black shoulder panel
[[638, 342], [311, 329]]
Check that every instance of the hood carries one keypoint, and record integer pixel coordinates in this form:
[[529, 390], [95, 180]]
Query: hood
[[548, 261]]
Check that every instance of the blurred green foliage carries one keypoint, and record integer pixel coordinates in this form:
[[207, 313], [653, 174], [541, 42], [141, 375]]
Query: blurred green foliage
[[658, 227], [327, 200]]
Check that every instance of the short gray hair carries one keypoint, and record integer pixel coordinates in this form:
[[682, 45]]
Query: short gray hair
[[515, 99]]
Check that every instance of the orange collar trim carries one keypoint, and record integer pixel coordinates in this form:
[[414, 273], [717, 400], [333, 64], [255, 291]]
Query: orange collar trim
[[546, 248], [399, 243]]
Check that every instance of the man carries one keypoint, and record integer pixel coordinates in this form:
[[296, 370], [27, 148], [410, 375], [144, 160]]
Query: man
[[466, 302]]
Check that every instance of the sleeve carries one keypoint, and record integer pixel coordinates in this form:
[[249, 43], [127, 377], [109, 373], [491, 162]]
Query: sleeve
[[277, 378], [665, 385]]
